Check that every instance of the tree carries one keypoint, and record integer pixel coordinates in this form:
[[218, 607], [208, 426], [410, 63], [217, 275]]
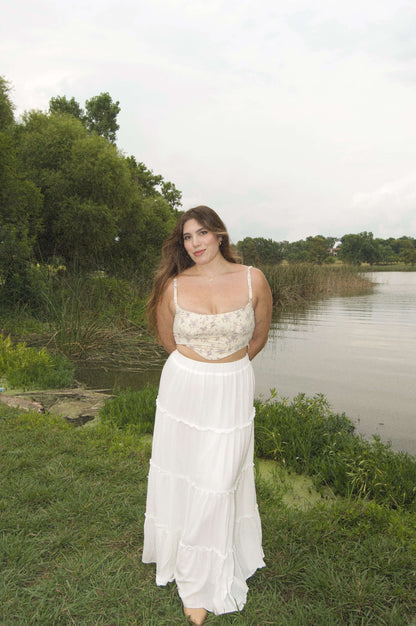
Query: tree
[[6, 105], [387, 252], [66, 192], [248, 250], [61, 104], [297, 251], [172, 195], [20, 205], [361, 248], [143, 226], [255, 250], [318, 249], [145, 178], [408, 252], [153, 184], [95, 212], [101, 116], [85, 183]]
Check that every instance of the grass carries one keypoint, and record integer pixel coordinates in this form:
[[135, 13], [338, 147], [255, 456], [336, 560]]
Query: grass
[[71, 509], [306, 437], [132, 409], [299, 283], [19, 321], [393, 267]]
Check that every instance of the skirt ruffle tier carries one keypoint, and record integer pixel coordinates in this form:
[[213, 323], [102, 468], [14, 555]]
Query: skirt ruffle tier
[[202, 526]]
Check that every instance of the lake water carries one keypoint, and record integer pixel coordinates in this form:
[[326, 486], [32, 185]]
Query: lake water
[[360, 352]]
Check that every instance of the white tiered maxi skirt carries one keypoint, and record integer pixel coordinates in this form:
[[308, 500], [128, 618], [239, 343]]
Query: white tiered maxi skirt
[[202, 526]]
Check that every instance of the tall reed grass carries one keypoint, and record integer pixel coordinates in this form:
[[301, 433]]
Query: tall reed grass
[[297, 283], [85, 313]]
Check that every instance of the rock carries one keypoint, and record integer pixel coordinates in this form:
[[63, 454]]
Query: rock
[[18, 402], [77, 406]]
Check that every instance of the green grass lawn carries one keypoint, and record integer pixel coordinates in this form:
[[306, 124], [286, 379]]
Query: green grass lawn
[[72, 503]]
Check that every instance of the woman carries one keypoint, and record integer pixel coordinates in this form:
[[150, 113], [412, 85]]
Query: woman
[[212, 315]]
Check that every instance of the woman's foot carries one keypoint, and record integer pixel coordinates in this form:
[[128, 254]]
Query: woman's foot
[[197, 616]]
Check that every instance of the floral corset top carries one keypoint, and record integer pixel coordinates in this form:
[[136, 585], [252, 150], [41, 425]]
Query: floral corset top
[[214, 336]]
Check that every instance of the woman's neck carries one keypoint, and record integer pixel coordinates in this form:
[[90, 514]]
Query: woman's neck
[[212, 269]]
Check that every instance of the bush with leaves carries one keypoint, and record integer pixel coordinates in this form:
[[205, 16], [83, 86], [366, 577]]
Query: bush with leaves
[[307, 437], [28, 368]]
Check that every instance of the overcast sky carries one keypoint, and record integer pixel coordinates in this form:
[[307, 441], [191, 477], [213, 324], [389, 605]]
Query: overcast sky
[[289, 117]]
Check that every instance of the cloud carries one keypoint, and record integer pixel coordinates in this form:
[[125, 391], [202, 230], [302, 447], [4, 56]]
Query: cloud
[[275, 116], [391, 208]]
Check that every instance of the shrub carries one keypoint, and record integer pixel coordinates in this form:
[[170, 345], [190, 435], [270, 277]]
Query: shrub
[[296, 432], [132, 409], [308, 438], [29, 368]]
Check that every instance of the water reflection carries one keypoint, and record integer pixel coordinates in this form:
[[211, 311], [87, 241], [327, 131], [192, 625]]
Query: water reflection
[[111, 379], [360, 352]]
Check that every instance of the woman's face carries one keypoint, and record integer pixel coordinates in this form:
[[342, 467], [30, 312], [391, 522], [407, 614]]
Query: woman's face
[[201, 244]]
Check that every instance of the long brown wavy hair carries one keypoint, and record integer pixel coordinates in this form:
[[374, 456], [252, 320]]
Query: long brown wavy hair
[[175, 259]]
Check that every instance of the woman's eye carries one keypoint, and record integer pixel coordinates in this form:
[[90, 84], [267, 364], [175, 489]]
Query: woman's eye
[[204, 232]]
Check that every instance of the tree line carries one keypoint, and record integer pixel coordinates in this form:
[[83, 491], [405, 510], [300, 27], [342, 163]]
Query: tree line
[[69, 198], [352, 248]]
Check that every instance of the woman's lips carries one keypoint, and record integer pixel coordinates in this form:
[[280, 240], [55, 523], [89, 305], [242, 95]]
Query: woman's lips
[[199, 252]]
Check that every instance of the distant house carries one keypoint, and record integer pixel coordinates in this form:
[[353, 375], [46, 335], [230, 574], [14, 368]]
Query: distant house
[[334, 251]]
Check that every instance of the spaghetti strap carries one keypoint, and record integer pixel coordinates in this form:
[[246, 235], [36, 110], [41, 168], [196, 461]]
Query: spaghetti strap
[[250, 291], [175, 291]]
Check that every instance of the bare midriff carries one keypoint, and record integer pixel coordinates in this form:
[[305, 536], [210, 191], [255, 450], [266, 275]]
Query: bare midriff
[[191, 354]]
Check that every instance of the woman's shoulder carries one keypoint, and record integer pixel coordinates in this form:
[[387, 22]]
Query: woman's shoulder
[[167, 292], [252, 268], [256, 273], [259, 281]]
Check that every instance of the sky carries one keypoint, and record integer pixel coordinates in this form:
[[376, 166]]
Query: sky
[[290, 118]]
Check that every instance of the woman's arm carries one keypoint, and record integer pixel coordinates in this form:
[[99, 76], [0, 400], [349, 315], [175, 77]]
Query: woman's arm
[[262, 304], [165, 315]]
